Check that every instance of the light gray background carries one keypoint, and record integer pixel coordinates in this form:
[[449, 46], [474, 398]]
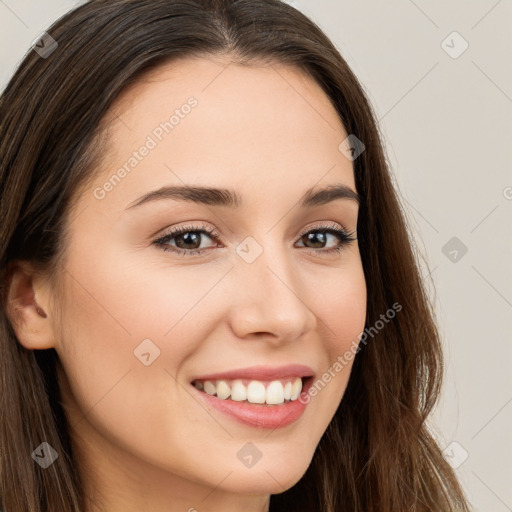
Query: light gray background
[[447, 124]]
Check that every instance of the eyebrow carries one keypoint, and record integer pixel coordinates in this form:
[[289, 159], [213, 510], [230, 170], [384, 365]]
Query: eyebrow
[[231, 198]]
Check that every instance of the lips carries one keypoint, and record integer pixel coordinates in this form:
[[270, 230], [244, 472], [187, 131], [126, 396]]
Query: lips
[[249, 408], [277, 411]]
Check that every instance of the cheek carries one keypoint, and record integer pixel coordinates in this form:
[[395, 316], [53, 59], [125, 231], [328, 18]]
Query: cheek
[[341, 314], [122, 298], [122, 313], [340, 306], [107, 318]]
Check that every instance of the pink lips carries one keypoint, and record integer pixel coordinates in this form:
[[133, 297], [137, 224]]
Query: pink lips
[[256, 415], [261, 373]]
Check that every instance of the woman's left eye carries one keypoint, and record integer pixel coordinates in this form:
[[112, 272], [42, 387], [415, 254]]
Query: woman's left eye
[[188, 238]]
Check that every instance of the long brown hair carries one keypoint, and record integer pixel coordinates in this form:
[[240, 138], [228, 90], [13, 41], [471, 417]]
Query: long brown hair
[[377, 454]]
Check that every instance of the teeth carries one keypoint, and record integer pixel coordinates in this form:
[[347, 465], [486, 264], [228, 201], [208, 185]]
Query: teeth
[[256, 392], [288, 391], [210, 388], [223, 390], [296, 389], [275, 393], [238, 391]]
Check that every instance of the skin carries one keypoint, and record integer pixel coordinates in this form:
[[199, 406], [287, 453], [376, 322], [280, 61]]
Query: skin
[[270, 133]]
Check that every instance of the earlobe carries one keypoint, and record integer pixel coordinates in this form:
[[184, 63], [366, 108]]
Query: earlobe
[[27, 306]]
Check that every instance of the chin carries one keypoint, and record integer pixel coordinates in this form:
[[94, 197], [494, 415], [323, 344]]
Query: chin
[[270, 478], [262, 483]]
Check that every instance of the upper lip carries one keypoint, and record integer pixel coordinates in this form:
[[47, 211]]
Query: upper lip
[[261, 373]]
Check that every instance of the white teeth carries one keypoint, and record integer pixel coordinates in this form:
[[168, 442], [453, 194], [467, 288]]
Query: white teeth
[[288, 391], [238, 391], [256, 392], [223, 390], [296, 389], [275, 393], [210, 388]]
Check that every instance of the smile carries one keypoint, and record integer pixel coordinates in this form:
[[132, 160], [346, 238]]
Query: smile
[[273, 392], [256, 410]]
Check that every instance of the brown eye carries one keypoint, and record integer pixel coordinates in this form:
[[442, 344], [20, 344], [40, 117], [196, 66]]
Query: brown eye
[[187, 239], [317, 239]]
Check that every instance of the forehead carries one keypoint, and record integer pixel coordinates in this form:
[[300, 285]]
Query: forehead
[[213, 122], [220, 82]]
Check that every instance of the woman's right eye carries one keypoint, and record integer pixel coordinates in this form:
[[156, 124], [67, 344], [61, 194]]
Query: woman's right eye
[[178, 234]]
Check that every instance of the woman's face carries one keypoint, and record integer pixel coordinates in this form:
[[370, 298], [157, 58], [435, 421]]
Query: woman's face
[[140, 324]]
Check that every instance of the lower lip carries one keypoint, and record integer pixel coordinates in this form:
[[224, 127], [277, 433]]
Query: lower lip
[[258, 415]]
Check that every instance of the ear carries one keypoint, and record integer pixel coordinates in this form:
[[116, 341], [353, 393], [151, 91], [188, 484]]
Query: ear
[[28, 306]]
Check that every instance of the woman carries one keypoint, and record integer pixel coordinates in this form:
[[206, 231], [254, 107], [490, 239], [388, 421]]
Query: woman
[[210, 298]]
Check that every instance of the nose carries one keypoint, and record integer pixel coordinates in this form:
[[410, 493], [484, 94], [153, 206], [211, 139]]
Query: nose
[[269, 301]]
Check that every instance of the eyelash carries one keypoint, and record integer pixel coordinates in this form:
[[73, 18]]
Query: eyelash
[[345, 237]]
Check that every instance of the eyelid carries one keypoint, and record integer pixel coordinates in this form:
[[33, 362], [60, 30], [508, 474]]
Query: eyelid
[[188, 227], [324, 225], [215, 234]]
